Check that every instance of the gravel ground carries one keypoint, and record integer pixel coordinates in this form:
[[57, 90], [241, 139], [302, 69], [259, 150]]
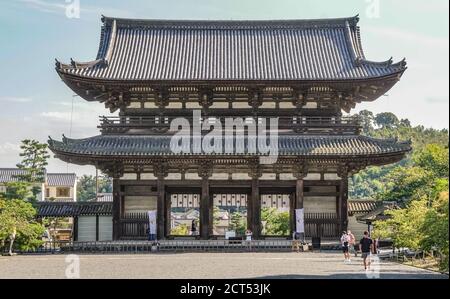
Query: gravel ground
[[205, 265]]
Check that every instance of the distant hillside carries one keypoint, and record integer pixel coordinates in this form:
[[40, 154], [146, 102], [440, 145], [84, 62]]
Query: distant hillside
[[371, 182]]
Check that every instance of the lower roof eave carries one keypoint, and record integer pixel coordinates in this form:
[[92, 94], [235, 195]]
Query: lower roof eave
[[88, 159]]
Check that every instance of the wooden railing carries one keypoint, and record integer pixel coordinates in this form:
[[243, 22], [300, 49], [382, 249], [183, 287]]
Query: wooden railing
[[302, 124]]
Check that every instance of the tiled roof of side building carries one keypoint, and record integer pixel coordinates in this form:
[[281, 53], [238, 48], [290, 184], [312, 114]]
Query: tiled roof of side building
[[61, 179], [8, 175], [158, 50], [70, 209], [362, 206], [150, 145]]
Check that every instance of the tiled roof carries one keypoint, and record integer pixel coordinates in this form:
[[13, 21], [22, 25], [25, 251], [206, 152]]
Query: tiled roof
[[379, 212], [328, 49], [159, 145], [8, 175], [70, 209], [362, 206], [61, 179]]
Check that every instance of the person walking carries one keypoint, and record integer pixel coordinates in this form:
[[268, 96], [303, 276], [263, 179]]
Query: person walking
[[366, 247], [352, 243], [344, 244]]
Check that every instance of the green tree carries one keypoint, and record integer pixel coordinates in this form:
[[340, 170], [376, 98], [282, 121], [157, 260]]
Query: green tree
[[277, 222], [404, 225], [86, 188], [17, 219], [373, 181], [180, 230], [104, 184], [435, 229], [19, 190], [238, 223], [34, 160], [433, 158], [386, 120], [87, 185], [366, 118]]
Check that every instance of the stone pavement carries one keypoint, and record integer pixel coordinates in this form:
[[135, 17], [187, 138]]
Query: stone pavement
[[326, 265]]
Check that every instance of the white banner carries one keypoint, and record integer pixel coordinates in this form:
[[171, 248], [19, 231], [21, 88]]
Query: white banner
[[152, 221], [299, 221]]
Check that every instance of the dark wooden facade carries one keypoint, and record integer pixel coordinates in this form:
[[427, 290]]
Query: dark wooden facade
[[304, 73]]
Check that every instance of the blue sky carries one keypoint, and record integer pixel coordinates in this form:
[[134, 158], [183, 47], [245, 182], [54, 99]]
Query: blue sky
[[36, 104]]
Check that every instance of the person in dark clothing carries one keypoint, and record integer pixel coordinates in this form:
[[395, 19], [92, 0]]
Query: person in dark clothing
[[366, 247], [193, 228]]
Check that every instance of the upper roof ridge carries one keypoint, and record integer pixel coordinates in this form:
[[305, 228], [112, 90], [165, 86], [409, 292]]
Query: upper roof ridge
[[231, 24]]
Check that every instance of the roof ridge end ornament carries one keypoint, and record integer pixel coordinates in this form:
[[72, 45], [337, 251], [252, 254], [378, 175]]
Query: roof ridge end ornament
[[355, 20]]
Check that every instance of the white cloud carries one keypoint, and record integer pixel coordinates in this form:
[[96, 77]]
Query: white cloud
[[45, 6], [441, 43], [437, 6], [16, 99], [8, 148], [58, 115], [422, 95], [60, 6]]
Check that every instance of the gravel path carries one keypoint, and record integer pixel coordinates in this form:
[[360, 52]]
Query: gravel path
[[205, 265]]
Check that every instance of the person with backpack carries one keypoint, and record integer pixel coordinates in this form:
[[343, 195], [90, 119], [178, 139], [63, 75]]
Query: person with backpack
[[366, 247], [344, 244]]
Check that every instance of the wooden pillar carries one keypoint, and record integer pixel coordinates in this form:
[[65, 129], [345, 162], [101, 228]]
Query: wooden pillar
[[97, 230], [206, 207], [160, 172], [117, 207], [255, 209], [250, 210], [205, 210], [299, 187], [160, 208], [299, 201], [75, 229], [299, 172], [342, 201], [168, 216]]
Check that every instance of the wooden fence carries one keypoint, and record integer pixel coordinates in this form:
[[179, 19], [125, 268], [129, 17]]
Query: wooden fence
[[325, 225]]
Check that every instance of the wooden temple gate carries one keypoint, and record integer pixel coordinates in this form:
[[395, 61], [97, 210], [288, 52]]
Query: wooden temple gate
[[256, 70]]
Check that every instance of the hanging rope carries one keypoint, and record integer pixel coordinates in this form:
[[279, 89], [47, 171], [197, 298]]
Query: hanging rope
[[70, 128]]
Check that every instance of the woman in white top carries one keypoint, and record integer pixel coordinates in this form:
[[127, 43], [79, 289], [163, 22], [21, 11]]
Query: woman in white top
[[248, 238], [344, 243]]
